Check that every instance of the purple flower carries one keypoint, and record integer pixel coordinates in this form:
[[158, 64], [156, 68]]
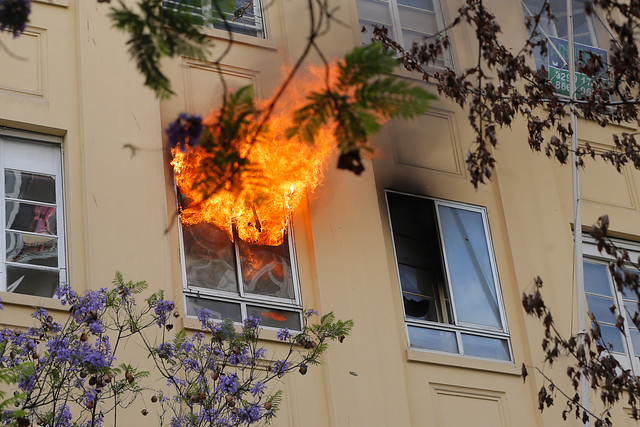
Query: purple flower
[[280, 367], [185, 130], [310, 312], [14, 15], [162, 309], [258, 388], [284, 334]]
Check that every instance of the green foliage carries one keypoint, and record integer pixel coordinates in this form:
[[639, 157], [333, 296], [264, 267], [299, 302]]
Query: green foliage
[[365, 94], [158, 32]]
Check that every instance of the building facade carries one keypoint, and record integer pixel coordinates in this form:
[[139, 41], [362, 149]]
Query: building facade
[[430, 269]]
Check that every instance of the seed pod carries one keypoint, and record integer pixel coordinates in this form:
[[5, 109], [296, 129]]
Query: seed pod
[[229, 400], [341, 338], [154, 398], [303, 369], [169, 326], [84, 373], [176, 314], [268, 405], [90, 404], [237, 350], [129, 376], [93, 380], [49, 319], [106, 378], [84, 337], [215, 376], [145, 412]]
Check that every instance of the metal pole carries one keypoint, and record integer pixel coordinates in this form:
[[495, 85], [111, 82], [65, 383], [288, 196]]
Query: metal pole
[[577, 215]]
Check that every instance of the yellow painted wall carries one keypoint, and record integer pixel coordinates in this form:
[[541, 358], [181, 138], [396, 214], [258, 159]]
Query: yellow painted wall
[[76, 81]]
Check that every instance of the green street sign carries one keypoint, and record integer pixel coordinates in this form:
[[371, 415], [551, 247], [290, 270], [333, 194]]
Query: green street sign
[[558, 66]]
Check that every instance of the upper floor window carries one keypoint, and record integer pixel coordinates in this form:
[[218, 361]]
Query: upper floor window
[[238, 279], [606, 302], [245, 18], [587, 29], [408, 21], [32, 215], [448, 278]]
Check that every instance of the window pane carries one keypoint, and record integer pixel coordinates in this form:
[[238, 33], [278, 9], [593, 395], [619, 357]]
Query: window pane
[[629, 275], [596, 279], [266, 270], [276, 318], [599, 306], [42, 283], [420, 4], [612, 336], [33, 218], [433, 339], [29, 186], [492, 348], [221, 309], [635, 339], [242, 20], [209, 258], [375, 12], [30, 249], [420, 308], [417, 281], [470, 268], [420, 22]]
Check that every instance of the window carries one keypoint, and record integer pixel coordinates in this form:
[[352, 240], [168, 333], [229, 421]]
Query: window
[[449, 283], [602, 295], [32, 215], [586, 28], [245, 18], [408, 21], [237, 279]]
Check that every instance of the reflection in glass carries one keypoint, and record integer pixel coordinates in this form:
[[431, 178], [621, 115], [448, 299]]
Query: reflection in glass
[[30, 249], [600, 307], [220, 309], [612, 338], [474, 290], [29, 186], [266, 270], [276, 318], [596, 279], [42, 283], [32, 218], [491, 348], [433, 339], [416, 307], [209, 258]]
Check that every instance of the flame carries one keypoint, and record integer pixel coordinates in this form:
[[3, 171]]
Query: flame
[[290, 169]]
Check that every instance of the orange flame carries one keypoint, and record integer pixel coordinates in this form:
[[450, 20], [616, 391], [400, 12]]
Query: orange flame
[[290, 169]]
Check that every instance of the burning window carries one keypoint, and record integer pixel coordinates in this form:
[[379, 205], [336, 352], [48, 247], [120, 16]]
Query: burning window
[[244, 18], [448, 277], [238, 279], [32, 215]]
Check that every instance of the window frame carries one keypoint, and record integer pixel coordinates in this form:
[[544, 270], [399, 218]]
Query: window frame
[[457, 327], [56, 170], [629, 359], [241, 298], [396, 25]]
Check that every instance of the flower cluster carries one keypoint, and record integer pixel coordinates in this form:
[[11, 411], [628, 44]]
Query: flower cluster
[[185, 131], [14, 15]]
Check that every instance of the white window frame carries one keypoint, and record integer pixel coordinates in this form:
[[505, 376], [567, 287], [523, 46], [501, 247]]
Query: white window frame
[[241, 298], [206, 13], [395, 28], [628, 360], [42, 155], [456, 326]]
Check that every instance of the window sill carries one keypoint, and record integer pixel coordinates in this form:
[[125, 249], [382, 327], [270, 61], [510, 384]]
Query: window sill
[[266, 333], [21, 302], [241, 39], [423, 356], [62, 3]]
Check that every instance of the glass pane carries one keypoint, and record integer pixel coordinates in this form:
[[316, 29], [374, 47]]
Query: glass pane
[[474, 290], [417, 281], [30, 249], [596, 279], [635, 340], [42, 283], [420, 4], [29, 186], [221, 309], [33, 218], [420, 308], [374, 11], [432, 339], [209, 258], [243, 19], [611, 336], [599, 306], [630, 308], [418, 252], [632, 276], [276, 318], [266, 270], [420, 22], [491, 348]]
